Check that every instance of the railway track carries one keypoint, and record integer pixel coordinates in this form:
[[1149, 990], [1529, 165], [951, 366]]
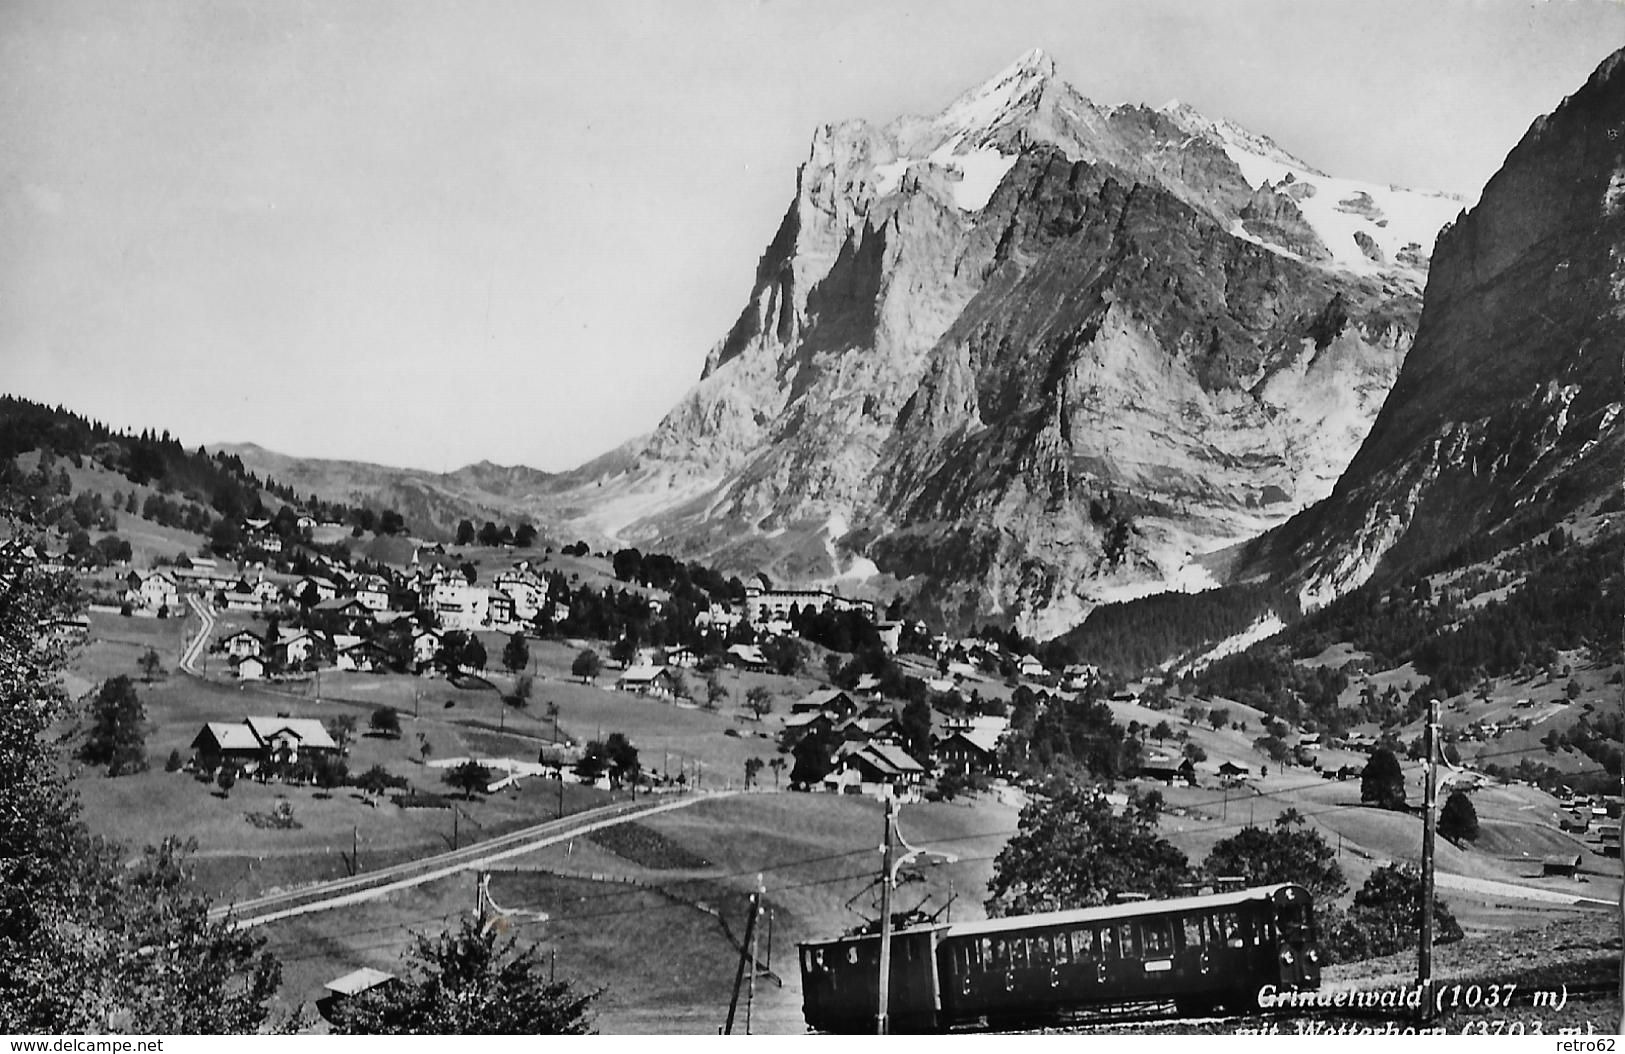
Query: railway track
[[339, 892]]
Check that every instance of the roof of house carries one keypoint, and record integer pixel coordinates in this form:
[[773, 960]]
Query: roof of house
[[748, 653], [244, 633], [890, 760], [232, 737], [820, 699], [982, 739], [357, 981], [308, 730], [641, 674], [339, 604]]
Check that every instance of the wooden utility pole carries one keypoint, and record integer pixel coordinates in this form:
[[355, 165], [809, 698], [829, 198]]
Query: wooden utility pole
[[755, 939], [744, 953], [1424, 947], [883, 990]]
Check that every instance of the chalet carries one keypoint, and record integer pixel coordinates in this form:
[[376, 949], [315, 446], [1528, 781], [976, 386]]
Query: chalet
[[879, 770], [295, 646], [266, 592], [71, 629], [242, 644], [1030, 668], [250, 668], [364, 656], [1564, 865], [1232, 771], [971, 750], [868, 685], [240, 597], [870, 730], [682, 657], [157, 589], [426, 645], [222, 741], [205, 579], [1169, 773], [1079, 676], [314, 586], [891, 636], [748, 657], [371, 591], [282, 738], [799, 726], [645, 680], [832, 701], [341, 613]]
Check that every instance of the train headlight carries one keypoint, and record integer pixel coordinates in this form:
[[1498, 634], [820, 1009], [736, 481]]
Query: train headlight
[[1287, 957], [1314, 956]]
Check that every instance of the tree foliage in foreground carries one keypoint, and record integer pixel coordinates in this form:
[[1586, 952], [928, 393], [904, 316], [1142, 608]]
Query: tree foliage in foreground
[[88, 944], [1387, 917], [1072, 850], [470, 981], [1290, 851]]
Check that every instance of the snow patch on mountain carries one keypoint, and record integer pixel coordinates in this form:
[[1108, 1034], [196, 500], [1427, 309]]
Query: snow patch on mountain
[[1396, 225]]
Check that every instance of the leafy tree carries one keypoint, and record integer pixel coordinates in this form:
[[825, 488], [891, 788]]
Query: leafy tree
[[1194, 753], [787, 655], [1194, 715], [1386, 917], [489, 535], [1288, 852], [759, 700], [470, 981], [469, 777], [586, 666], [1072, 850], [525, 536], [716, 693], [624, 650], [1382, 783], [117, 737], [622, 757], [1161, 732], [226, 779], [151, 665], [1218, 717], [516, 653], [523, 687], [342, 729], [465, 532], [1458, 820], [385, 721], [778, 766], [425, 748], [330, 772], [753, 768], [915, 722]]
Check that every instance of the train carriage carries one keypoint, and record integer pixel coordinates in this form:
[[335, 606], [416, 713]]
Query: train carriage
[[1199, 953]]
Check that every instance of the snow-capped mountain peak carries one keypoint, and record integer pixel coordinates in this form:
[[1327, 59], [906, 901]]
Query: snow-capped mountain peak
[[1015, 88]]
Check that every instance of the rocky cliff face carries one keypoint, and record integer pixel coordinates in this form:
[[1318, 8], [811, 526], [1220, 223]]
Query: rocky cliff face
[[1509, 403], [1027, 354]]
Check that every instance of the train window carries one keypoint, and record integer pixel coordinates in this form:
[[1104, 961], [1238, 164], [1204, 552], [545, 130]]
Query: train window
[[1157, 938], [1001, 955], [1041, 951], [985, 960], [1128, 940], [1108, 943], [1231, 929], [1063, 949], [1190, 932], [1018, 953]]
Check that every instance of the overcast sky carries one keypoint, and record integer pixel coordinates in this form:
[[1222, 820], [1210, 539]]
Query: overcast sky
[[430, 233]]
